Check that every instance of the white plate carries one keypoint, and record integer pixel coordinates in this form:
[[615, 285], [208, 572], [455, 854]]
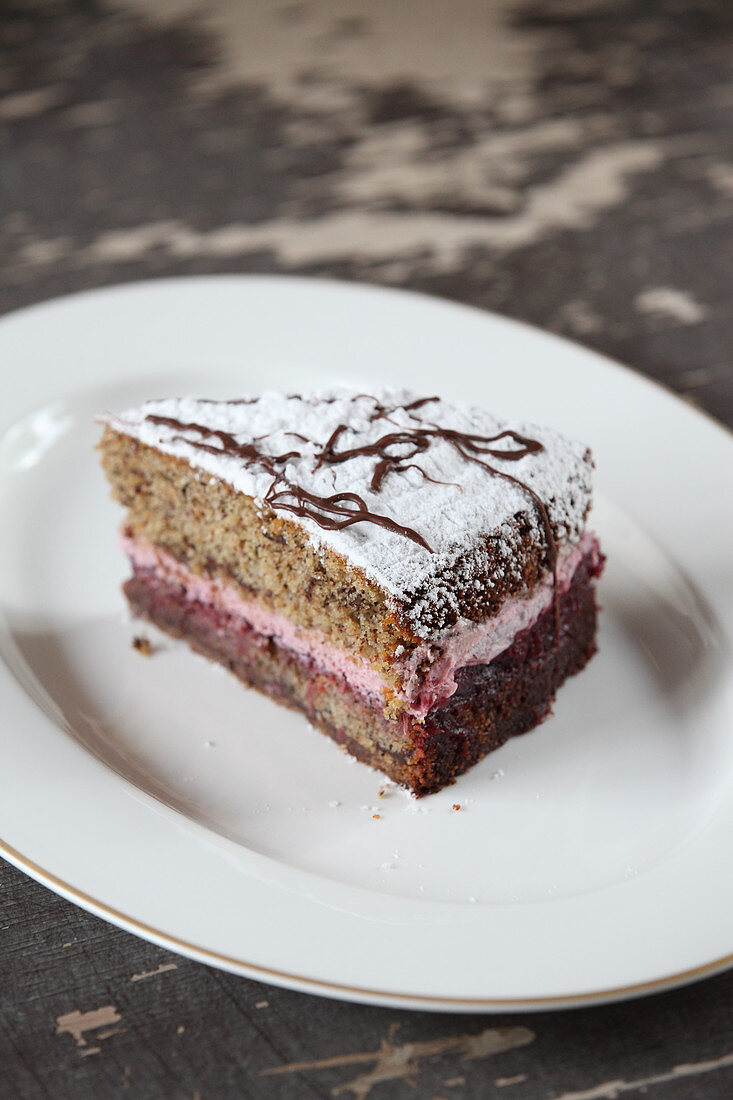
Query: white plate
[[589, 859]]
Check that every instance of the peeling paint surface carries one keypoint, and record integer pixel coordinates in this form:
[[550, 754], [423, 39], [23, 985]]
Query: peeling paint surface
[[398, 1062], [77, 1023], [153, 973], [611, 1090], [546, 161], [670, 302], [565, 162]]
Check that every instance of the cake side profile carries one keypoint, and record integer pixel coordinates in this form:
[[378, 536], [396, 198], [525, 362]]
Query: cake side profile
[[414, 576]]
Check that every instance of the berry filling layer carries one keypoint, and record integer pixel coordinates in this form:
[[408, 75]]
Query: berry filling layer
[[430, 674]]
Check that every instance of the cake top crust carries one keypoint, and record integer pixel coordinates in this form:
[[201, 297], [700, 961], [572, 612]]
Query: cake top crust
[[409, 490]]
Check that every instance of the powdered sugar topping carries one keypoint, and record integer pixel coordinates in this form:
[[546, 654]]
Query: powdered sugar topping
[[435, 502]]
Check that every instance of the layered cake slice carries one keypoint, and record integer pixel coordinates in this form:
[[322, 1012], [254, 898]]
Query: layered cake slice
[[414, 576]]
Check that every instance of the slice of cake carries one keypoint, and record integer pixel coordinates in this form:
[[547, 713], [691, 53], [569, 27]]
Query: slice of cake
[[414, 576]]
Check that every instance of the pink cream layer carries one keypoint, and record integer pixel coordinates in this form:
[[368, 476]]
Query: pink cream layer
[[305, 643], [470, 643], [466, 643]]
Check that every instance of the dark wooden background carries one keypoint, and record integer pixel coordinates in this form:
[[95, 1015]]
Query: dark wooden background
[[569, 163]]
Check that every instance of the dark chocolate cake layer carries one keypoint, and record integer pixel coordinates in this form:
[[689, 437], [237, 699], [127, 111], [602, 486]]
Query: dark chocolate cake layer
[[492, 703]]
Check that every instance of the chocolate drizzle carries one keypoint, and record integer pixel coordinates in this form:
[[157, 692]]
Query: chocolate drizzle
[[410, 442], [394, 453], [248, 452], [332, 513], [337, 516], [415, 441]]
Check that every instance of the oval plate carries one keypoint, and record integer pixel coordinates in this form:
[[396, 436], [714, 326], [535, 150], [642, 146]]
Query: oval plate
[[590, 859]]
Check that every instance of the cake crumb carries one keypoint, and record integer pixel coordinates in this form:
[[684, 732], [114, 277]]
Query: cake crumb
[[456, 805], [262, 1004], [142, 645], [375, 817]]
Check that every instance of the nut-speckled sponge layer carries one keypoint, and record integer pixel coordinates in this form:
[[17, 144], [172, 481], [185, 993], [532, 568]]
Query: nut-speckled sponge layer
[[439, 507]]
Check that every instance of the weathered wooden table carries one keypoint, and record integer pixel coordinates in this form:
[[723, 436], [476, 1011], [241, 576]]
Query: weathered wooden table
[[568, 162]]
